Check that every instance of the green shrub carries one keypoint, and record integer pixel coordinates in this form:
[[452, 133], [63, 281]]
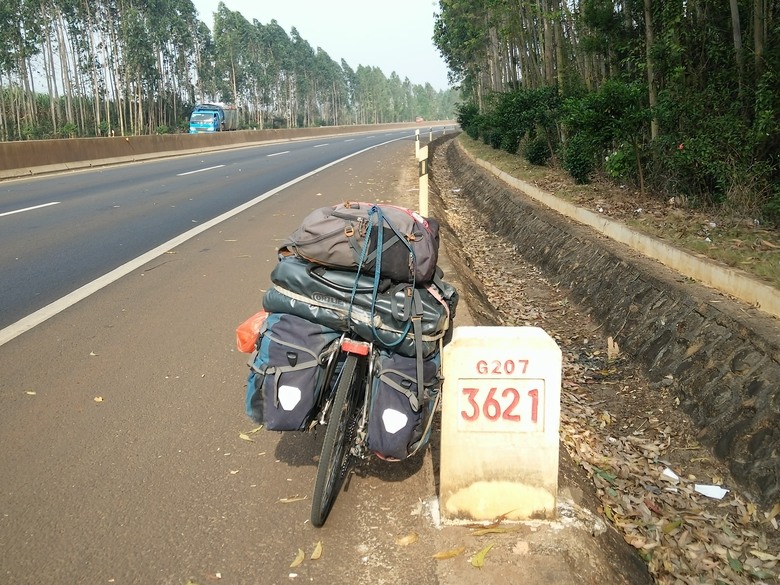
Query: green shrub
[[494, 138], [510, 142], [620, 164], [578, 158], [69, 130], [537, 151]]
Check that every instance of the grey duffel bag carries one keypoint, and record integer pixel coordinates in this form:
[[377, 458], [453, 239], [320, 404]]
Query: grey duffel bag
[[397, 242], [398, 317]]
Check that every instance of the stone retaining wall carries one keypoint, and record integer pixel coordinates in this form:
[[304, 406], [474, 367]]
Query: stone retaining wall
[[722, 357]]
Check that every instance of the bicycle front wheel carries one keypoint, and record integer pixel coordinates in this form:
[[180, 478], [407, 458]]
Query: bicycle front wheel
[[332, 467]]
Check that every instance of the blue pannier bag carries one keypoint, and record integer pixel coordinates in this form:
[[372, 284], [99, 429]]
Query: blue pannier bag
[[287, 371], [400, 416]]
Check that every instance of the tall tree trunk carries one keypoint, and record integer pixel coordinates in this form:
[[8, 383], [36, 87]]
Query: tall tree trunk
[[578, 56], [651, 81], [65, 70], [759, 36], [51, 79], [560, 59], [3, 120], [736, 32], [549, 48]]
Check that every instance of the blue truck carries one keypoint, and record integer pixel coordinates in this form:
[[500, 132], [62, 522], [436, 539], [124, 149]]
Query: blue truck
[[213, 118]]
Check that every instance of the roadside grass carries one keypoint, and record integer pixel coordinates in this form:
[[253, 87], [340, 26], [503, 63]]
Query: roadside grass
[[725, 237]]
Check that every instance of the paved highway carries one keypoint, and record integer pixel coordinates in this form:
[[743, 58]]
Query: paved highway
[[61, 232], [121, 414]]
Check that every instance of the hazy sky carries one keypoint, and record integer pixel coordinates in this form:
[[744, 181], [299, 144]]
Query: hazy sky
[[394, 35]]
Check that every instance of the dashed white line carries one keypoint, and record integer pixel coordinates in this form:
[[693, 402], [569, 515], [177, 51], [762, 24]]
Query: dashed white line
[[29, 208], [200, 170], [278, 153]]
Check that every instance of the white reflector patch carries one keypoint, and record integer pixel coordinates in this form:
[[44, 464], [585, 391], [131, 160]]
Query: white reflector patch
[[289, 397], [394, 420]]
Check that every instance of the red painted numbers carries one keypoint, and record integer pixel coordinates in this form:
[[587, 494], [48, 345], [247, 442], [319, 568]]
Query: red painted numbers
[[501, 396], [488, 405]]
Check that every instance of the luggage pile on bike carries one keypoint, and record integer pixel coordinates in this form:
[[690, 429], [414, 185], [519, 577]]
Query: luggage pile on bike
[[367, 271]]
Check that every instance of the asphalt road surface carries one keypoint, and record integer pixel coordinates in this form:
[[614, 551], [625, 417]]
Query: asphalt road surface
[[121, 459], [59, 233]]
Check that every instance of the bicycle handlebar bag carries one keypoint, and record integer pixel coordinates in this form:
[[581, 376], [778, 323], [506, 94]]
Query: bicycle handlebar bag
[[349, 301]]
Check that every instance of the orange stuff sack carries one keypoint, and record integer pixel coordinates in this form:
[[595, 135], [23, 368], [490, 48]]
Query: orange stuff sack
[[247, 332]]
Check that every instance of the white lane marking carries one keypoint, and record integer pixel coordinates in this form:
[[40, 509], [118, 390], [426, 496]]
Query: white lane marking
[[200, 170], [41, 315], [349, 140], [29, 208], [277, 153], [318, 145]]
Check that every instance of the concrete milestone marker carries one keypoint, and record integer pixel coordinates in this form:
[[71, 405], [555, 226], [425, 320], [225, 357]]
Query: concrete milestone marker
[[500, 424]]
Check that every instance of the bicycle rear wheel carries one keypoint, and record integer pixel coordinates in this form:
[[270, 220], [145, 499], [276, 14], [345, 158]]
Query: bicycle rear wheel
[[333, 464]]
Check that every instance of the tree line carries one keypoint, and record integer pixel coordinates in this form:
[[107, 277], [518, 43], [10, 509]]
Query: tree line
[[72, 68], [679, 97]]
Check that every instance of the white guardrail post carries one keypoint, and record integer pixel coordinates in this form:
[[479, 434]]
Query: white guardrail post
[[422, 160], [500, 424]]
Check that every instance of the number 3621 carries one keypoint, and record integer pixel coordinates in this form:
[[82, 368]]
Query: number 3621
[[506, 405]]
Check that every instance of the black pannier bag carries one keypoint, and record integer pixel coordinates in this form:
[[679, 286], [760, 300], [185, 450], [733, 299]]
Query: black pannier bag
[[400, 416], [287, 371], [402, 244], [381, 312]]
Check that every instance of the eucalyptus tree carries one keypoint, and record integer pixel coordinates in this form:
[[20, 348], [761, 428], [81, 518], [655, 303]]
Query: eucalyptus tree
[[205, 56], [278, 72], [170, 24], [330, 88], [402, 102], [21, 37], [350, 80], [231, 39], [372, 98], [463, 42], [303, 102]]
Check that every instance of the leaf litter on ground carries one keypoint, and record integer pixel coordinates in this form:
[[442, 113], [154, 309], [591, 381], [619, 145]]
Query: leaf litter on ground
[[629, 436]]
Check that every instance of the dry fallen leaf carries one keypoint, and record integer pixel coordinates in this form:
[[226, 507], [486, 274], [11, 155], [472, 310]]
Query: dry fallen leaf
[[492, 530], [98, 399], [478, 560], [298, 558], [449, 554], [764, 556], [246, 437], [317, 551], [410, 538]]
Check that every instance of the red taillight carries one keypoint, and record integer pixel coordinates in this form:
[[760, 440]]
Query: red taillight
[[356, 347]]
